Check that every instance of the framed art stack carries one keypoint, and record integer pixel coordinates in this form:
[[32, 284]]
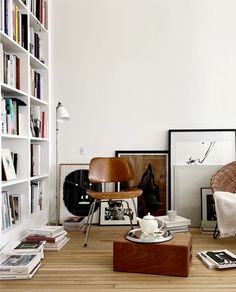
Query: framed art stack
[[151, 175], [208, 212], [195, 155], [70, 175]]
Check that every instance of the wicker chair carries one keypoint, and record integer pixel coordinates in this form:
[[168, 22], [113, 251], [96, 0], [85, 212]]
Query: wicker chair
[[224, 180]]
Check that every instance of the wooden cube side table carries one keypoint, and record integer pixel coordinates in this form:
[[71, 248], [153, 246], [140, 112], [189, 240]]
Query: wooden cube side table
[[172, 257]]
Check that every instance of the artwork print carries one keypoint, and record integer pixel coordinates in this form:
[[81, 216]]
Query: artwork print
[[195, 155], [151, 175]]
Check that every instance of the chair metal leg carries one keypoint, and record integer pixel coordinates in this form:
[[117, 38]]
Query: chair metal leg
[[90, 210], [135, 209], [130, 216], [90, 222], [216, 232]]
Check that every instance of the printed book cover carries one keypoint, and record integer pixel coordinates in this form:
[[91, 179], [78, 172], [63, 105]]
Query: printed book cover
[[20, 276], [24, 246], [205, 260], [223, 259], [18, 263]]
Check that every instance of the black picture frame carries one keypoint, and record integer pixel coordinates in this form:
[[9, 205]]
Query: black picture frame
[[195, 155], [158, 160]]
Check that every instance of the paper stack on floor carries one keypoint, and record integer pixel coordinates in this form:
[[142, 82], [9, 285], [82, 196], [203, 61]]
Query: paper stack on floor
[[180, 224]]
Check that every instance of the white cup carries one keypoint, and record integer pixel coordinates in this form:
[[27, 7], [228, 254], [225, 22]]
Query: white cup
[[172, 214]]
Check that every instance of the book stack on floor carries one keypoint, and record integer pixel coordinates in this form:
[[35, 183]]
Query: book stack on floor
[[20, 259], [217, 259], [180, 224], [207, 226], [55, 237]]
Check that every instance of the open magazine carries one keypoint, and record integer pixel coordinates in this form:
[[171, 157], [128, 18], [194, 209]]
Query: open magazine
[[221, 259]]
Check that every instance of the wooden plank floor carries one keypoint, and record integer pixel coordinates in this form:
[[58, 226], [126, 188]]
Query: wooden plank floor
[[76, 268]]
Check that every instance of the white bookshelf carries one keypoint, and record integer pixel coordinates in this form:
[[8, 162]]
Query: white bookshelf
[[33, 58]]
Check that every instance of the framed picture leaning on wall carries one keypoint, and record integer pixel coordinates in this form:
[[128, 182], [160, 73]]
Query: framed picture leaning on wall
[[151, 175], [195, 155]]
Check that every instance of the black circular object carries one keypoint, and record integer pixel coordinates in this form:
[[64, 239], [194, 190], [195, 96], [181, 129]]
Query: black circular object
[[76, 200]]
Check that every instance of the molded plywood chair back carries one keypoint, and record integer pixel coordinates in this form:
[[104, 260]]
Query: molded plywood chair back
[[107, 170]]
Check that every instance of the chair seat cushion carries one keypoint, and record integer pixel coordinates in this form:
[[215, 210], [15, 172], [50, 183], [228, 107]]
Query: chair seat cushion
[[124, 194]]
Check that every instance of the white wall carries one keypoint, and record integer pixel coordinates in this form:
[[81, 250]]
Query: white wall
[[129, 70]]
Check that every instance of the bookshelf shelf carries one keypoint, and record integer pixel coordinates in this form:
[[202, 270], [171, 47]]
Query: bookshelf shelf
[[24, 90], [14, 182]]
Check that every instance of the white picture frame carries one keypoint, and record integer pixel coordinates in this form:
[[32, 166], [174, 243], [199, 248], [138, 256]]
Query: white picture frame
[[195, 155], [116, 212], [8, 166]]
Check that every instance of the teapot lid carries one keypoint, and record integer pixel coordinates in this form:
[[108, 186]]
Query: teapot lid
[[148, 217]]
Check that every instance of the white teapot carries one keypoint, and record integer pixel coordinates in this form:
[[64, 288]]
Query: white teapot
[[149, 225]]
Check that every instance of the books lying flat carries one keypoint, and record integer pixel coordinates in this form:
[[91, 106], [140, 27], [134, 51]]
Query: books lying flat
[[18, 264], [20, 276], [56, 246], [179, 221], [207, 227], [52, 239], [221, 259], [46, 230], [24, 247], [208, 263]]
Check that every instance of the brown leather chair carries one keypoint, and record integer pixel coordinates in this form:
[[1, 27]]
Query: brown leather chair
[[224, 180], [110, 170]]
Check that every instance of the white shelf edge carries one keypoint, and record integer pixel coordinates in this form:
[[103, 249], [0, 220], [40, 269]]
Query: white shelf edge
[[6, 40], [37, 100], [13, 182], [9, 136], [37, 22], [36, 63], [39, 177], [38, 139], [13, 90]]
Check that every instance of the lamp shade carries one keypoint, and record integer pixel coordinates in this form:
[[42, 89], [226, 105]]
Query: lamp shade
[[62, 114]]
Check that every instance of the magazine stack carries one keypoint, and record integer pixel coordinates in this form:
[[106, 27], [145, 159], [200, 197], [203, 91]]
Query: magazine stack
[[180, 224], [55, 237], [20, 259], [217, 259]]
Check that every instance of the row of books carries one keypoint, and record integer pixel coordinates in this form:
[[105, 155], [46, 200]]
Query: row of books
[[36, 81], [10, 209], [12, 115], [35, 158], [13, 22], [37, 122], [22, 259], [217, 259], [180, 224], [39, 9], [35, 48], [11, 70], [36, 190]]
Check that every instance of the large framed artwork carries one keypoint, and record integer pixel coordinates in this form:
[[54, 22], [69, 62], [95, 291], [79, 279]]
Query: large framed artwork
[[70, 174], [195, 155], [151, 175]]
